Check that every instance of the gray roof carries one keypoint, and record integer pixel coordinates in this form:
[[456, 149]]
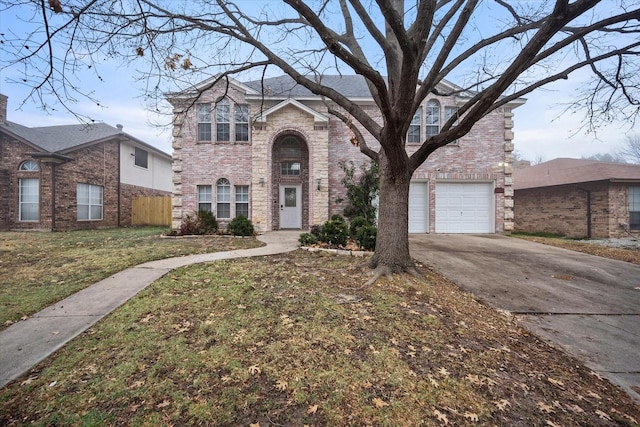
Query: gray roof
[[351, 86], [565, 171], [64, 138]]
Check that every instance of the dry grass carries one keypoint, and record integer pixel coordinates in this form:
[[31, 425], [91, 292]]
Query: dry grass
[[39, 269], [294, 340]]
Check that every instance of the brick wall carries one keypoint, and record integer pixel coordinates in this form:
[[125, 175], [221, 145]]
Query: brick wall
[[485, 154], [563, 209]]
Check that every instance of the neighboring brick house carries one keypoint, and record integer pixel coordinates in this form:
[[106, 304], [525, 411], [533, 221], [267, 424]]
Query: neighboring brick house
[[74, 176], [578, 198], [270, 150]]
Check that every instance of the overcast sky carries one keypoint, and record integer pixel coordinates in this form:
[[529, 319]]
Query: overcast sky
[[541, 130]]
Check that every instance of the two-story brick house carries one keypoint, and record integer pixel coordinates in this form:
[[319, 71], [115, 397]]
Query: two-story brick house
[[74, 176], [269, 150]]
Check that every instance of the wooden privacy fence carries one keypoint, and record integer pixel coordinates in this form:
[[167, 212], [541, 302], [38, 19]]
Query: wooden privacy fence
[[151, 211]]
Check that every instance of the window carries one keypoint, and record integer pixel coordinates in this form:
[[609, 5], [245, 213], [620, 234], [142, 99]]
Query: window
[[204, 122], [451, 112], [204, 198], [29, 166], [433, 118], [223, 126], [413, 136], [290, 168], [634, 208], [242, 200], [242, 122], [29, 199], [223, 198], [142, 157], [89, 202]]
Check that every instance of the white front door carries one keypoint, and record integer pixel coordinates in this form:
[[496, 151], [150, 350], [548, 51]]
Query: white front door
[[290, 206]]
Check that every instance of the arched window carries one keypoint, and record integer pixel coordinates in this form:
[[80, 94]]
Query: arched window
[[223, 198], [29, 165], [433, 118]]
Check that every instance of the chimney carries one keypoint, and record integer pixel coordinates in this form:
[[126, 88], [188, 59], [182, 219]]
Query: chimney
[[3, 109], [120, 127]]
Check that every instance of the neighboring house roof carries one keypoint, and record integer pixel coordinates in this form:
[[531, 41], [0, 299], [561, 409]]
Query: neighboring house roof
[[65, 138], [573, 171]]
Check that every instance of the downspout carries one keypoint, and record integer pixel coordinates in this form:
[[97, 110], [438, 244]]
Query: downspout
[[119, 174], [588, 210]]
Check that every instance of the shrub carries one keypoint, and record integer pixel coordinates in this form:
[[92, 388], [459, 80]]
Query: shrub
[[337, 217], [240, 226], [355, 225], [335, 232], [316, 231], [366, 237], [208, 222], [307, 239], [190, 225]]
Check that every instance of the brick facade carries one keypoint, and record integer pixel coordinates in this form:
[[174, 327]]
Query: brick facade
[[563, 209], [485, 154]]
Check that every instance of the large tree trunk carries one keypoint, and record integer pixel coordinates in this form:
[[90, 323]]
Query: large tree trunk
[[392, 243]]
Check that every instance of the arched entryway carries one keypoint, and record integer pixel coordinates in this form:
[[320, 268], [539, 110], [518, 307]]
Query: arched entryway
[[290, 178]]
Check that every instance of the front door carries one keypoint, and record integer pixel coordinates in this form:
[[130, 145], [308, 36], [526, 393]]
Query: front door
[[290, 206]]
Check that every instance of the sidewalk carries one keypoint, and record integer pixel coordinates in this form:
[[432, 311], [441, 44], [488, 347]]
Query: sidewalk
[[26, 343]]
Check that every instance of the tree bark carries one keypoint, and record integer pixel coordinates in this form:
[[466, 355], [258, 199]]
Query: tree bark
[[392, 242]]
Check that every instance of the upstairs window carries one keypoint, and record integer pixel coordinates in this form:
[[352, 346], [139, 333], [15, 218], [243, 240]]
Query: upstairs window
[[223, 198], [433, 118], [413, 136], [242, 122], [142, 158], [223, 121], [634, 208], [204, 122], [29, 166], [451, 112]]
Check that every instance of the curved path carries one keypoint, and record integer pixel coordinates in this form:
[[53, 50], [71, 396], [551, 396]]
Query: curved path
[[26, 343]]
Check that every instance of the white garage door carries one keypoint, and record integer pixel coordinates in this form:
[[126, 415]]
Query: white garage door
[[418, 207], [464, 207]]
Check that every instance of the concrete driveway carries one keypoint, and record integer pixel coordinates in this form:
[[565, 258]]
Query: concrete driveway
[[588, 305]]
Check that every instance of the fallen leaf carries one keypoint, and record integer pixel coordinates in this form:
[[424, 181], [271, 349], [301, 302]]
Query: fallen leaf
[[575, 408], [312, 409], [281, 385], [254, 425], [379, 403], [555, 382], [29, 380], [471, 417], [603, 415], [432, 381], [552, 424], [502, 403], [254, 370], [163, 404], [545, 408], [594, 395], [443, 372], [441, 417], [628, 417]]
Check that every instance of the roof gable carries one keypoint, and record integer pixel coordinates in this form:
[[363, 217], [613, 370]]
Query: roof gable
[[317, 117], [573, 171]]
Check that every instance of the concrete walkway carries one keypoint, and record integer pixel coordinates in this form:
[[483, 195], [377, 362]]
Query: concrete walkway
[[26, 343]]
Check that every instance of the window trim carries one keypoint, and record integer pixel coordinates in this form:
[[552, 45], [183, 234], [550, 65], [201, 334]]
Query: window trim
[[223, 199], [242, 193], [89, 203], [223, 120], [143, 164], [21, 196], [634, 207], [200, 201], [204, 120], [433, 112], [241, 122], [29, 166]]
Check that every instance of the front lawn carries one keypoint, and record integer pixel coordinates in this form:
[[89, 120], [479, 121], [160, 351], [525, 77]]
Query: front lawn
[[39, 269], [296, 340]]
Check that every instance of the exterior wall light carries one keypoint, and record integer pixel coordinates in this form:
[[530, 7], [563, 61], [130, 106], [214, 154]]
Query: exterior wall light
[[319, 184], [261, 182]]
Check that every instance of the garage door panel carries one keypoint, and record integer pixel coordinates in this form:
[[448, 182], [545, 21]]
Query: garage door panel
[[418, 207], [464, 208]]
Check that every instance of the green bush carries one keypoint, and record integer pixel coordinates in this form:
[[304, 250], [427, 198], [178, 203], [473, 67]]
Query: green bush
[[316, 231], [366, 237], [335, 232], [307, 239], [240, 226], [208, 222], [338, 217], [355, 225]]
